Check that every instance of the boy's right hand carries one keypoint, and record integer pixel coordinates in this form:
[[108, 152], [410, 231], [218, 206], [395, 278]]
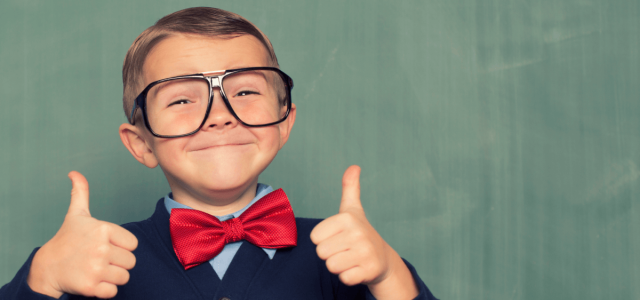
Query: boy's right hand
[[86, 256]]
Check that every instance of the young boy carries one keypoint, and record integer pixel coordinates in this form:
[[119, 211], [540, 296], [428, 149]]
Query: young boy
[[207, 103]]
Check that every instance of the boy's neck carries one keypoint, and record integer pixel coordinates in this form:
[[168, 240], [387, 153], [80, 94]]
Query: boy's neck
[[217, 203]]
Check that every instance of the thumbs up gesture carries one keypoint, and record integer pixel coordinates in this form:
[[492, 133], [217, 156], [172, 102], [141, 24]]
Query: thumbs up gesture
[[355, 251], [86, 256]]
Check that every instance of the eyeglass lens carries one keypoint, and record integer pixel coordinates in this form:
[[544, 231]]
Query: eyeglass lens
[[178, 107]]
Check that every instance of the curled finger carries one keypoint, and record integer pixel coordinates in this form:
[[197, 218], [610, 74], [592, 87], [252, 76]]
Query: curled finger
[[333, 245], [105, 290], [115, 275], [122, 258], [342, 261], [353, 276]]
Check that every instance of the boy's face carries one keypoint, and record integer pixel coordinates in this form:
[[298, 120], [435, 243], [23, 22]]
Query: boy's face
[[225, 157]]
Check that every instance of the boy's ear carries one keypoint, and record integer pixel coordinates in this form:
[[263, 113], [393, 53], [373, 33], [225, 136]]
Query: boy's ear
[[285, 127], [133, 138]]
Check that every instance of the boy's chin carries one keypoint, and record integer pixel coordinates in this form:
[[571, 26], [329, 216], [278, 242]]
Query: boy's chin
[[228, 181], [227, 184]]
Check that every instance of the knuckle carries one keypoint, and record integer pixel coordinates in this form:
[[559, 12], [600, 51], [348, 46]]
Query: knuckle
[[349, 219], [103, 229], [79, 189], [101, 250], [95, 270], [367, 250], [357, 235]]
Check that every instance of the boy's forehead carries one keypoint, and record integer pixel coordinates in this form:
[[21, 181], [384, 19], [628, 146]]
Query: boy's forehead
[[182, 54]]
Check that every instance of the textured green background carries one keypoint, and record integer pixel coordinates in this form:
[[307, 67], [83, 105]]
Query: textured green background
[[499, 140]]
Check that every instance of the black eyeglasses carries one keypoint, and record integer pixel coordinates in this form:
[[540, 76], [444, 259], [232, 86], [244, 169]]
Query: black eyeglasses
[[179, 106]]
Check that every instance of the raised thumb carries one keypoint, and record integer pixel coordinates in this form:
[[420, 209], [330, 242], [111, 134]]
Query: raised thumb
[[351, 189], [79, 195]]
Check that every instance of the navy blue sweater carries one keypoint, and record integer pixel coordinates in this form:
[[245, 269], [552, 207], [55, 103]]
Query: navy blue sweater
[[293, 273]]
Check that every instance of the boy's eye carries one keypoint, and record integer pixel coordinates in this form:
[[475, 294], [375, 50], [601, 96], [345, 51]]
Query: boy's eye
[[246, 93], [178, 102]]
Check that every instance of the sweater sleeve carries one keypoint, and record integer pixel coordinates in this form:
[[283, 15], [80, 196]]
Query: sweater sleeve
[[18, 289], [423, 291]]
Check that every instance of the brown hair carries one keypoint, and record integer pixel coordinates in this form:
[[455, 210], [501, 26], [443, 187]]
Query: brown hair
[[206, 21]]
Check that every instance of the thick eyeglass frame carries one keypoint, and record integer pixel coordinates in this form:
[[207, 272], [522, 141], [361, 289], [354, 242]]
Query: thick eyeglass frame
[[141, 100]]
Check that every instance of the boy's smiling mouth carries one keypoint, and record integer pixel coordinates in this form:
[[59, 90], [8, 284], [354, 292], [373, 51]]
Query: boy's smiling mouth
[[211, 143], [220, 146]]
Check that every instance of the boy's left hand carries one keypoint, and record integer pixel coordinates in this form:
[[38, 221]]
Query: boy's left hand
[[355, 251]]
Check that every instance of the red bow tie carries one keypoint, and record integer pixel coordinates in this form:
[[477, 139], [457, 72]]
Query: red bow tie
[[198, 237]]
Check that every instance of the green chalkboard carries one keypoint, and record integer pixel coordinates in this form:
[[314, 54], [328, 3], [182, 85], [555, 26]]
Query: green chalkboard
[[499, 140]]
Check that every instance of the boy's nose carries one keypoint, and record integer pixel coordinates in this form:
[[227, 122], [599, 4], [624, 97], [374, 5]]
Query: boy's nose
[[219, 116]]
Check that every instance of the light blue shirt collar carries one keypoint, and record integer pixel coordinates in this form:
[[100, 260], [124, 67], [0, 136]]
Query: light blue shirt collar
[[221, 262]]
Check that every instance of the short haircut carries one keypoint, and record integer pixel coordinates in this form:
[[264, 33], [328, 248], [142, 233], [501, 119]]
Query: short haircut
[[204, 21]]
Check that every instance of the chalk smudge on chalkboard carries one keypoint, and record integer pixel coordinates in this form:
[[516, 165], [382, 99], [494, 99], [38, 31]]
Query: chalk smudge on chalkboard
[[332, 57], [556, 35], [619, 177], [523, 63]]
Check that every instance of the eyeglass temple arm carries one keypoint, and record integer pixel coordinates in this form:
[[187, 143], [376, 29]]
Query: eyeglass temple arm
[[133, 110]]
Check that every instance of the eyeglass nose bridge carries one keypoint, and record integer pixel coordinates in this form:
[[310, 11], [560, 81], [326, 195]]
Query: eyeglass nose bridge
[[214, 82], [214, 77]]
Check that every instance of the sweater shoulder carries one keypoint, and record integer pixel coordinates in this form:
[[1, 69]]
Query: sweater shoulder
[[140, 228], [306, 225]]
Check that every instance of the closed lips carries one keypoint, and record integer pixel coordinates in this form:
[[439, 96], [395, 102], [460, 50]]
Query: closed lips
[[216, 145]]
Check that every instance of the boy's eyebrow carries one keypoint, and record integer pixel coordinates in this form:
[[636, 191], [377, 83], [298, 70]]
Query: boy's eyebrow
[[160, 87], [211, 73]]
